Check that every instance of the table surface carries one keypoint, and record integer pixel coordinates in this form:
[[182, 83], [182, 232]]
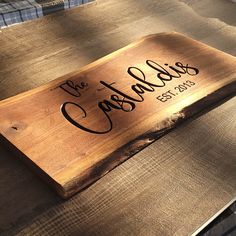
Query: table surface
[[174, 185]]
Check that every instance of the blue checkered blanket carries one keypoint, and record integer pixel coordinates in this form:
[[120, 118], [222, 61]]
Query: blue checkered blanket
[[15, 11]]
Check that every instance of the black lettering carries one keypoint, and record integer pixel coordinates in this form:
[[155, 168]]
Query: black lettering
[[73, 89], [122, 103], [119, 92], [76, 124], [163, 74], [188, 68]]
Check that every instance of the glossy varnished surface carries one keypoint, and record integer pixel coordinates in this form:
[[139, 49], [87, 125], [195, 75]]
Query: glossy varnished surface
[[148, 194]]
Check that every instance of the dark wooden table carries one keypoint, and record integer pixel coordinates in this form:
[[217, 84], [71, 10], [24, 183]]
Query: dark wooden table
[[170, 188]]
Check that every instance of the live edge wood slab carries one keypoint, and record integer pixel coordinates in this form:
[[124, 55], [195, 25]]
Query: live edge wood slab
[[74, 130]]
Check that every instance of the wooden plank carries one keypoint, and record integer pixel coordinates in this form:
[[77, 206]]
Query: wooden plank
[[78, 127]]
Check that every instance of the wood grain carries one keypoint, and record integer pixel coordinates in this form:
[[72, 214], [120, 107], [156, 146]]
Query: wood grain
[[72, 148]]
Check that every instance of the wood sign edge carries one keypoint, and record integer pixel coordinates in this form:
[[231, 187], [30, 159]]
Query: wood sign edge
[[94, 173], [131, 148]]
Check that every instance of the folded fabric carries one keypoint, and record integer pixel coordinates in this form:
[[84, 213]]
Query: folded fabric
[[15, 11]]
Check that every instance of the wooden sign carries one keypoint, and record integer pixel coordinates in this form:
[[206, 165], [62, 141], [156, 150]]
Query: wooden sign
[[75, 129]]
